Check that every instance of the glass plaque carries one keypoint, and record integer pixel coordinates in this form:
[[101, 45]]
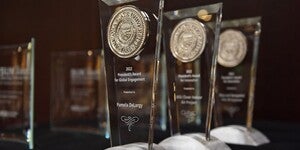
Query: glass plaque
[[190, 42], [236, 75], [16, 93], [78, 92], [131, 40]]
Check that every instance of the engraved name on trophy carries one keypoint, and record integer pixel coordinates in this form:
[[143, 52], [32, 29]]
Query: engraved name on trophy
[[78, 92], [236, 75], [190, 42], [16, 93], [131, 40]]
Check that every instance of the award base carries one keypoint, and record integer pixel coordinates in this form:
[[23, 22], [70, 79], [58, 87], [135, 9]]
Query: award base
[[194, 141], [136, 146], [235, 134]]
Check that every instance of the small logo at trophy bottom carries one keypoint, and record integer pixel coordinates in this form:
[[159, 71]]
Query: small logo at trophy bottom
[[189, 115], [129, 121], [232, 110]]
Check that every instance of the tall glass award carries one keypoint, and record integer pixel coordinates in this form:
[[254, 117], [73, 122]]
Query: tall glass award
[[190, 42], [236, 75], [131, 40], [16, 93], [78, 92]]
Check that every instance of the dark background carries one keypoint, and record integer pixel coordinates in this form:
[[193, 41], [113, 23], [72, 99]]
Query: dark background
[[61, 25]]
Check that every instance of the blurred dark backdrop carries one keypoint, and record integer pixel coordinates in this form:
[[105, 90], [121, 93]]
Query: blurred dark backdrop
[[61, 25]]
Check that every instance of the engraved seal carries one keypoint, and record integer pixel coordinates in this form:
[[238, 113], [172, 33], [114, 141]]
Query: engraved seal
[[188, 40], [232, 48], [127, 31]]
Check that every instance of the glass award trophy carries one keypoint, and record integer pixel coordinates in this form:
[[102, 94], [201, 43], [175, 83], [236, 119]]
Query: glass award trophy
[[236, 75], [131, 41], [78, 92], [16, 93], [190, 38]]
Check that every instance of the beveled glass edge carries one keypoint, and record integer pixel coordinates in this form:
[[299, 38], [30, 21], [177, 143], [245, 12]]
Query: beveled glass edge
[[213, 72], [241, 22], [192, 12], [30, 131], [12, 46], [117, 2], [253, 72], [156, 72]]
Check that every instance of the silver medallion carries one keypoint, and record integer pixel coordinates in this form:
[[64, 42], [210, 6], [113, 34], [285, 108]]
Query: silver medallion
[[127, 31], [188, 40], [232, 48]]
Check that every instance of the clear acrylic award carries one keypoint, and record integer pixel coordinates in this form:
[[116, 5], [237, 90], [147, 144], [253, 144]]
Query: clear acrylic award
[[131, 41], [78, 92], [190, 39], [17, 93], [236, 76]]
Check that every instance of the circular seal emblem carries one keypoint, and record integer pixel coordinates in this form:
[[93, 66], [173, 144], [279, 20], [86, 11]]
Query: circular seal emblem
[[127, 31], [188, 40], [232, 48]]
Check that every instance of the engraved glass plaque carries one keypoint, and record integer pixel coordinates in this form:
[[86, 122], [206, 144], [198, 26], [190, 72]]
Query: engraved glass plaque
[[189, 42], [236, 75], [131, 40], [190, 38], [16, 93], [78, 92]]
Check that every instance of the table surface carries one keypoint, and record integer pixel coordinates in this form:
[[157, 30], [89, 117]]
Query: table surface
[[283, 136]]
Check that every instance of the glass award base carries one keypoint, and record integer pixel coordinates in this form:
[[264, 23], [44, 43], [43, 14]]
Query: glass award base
[[194, 141], [235, 134], [13, 138], [136, 146]]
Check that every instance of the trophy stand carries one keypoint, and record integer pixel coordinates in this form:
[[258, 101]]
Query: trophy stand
[[193, 141], [191, 49], [235, 134], [136, 146], [240, 30]]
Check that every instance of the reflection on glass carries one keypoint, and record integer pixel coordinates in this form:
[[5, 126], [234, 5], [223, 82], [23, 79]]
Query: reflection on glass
[[16, 92], [161, 102], [78, 91]]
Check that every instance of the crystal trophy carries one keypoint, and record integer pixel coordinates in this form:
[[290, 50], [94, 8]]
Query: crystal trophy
[[236, 75], [16, 93], [131, 41], [190, 39], [78, 92]]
